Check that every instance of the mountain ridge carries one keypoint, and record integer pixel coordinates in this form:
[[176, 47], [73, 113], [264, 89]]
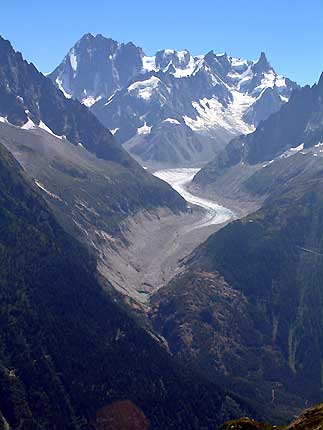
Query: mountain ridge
[[90, 182], [30, 101]]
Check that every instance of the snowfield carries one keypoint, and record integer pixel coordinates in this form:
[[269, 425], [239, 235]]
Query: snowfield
[[179, 179]]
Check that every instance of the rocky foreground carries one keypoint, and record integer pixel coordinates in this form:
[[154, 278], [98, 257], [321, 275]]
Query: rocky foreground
[[310, 419]]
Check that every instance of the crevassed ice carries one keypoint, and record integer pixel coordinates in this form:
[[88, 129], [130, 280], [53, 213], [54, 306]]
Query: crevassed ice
[[212, 113]]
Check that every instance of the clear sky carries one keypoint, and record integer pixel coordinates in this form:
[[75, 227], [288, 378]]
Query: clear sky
[[289, 31]]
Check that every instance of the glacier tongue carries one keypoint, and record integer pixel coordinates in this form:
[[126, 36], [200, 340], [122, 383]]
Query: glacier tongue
[[179, 179]]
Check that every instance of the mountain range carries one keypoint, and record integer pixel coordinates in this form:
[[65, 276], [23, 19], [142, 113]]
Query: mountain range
[[172, 108], [237, 331]]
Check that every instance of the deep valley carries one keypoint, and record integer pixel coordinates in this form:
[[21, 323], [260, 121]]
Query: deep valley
[[161, 235]]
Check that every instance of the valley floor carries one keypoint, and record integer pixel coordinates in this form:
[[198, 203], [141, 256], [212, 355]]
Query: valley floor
[[157, 244]]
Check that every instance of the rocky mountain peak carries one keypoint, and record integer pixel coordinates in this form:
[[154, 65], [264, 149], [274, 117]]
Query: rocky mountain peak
[[262, 65], [209, 56], [88, 36], [219, 63], [96, 67], [320, 83]]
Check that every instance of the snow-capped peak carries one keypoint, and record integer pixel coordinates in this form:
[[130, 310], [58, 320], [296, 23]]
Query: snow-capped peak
[[180, 59], [178, 63]]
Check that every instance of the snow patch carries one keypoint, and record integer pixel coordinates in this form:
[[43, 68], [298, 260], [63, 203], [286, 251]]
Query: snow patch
[[89, 101], [186, 71], [172, 121], [149, 63], [298, 148], [144, 89], [280, 81], [60, 86], [267, 164], [44, 127], [73, 60], [292, 151], [145, 129], [239, 64], [29, 125], [111, 98], [268, 81], [41, 186]]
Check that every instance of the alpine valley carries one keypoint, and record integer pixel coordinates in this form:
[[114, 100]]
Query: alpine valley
[[161, 242]]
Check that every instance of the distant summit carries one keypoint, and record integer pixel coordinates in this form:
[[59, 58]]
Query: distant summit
[[96, 67], [262, 65]]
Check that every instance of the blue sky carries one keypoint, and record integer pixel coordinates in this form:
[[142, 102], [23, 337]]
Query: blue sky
[[289, 31]]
